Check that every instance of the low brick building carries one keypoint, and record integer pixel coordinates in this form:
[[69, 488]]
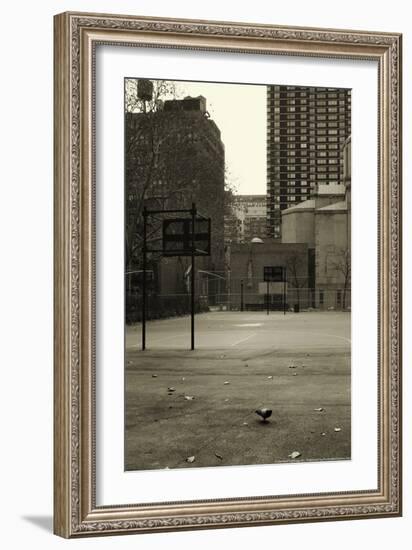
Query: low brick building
[[247, 286]]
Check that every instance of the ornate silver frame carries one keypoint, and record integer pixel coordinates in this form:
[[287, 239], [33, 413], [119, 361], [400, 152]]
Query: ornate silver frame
[[75, 510]]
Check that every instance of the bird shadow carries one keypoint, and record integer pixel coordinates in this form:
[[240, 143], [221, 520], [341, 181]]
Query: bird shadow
[[43, 522], [263, 423]]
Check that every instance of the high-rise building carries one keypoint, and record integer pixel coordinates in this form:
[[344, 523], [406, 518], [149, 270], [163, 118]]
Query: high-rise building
[[306, 131]]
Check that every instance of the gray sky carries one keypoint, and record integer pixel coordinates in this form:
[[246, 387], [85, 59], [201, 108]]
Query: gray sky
[[239, 110]]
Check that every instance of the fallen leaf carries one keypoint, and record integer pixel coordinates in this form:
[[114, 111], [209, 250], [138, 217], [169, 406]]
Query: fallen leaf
[[190, 459], [189, 397], [183, 379], [219, 456], [154, 375], [338, 429], [323, 433], [295, 454], [320, 409], [171, 389], [245, 424], [226, 383], [270, 377], [226, 400], [292, 366], [294, 374]]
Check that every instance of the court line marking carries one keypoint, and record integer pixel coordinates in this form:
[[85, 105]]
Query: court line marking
[[249, 325], [331, 335], [243, 340], [183, 335]]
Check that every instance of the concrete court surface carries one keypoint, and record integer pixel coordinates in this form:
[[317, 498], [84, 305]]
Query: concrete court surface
[[292, 364]]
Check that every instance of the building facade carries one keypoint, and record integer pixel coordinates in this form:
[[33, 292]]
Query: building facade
[[246, 218], [306, 129]]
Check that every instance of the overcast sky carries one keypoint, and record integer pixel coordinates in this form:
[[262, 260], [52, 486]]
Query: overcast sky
[[239, 110]]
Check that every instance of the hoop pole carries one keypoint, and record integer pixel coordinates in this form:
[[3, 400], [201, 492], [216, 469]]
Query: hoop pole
[[192, 320], [144, 281]]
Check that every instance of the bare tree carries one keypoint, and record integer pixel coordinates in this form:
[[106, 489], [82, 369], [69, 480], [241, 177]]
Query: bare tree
[[295, 267], [342, 265], [231, 218], [162, 89]]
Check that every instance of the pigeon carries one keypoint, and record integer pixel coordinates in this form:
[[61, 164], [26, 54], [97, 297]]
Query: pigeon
[[264, 413]]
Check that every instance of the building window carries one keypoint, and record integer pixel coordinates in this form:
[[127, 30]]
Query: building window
[[321, 297], [339, 298]]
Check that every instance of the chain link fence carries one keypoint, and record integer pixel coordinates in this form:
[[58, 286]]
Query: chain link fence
[[302, 299], [234, 294]]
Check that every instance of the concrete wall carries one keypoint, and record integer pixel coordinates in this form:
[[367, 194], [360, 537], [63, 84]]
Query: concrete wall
[[332, 259], [299, 227]]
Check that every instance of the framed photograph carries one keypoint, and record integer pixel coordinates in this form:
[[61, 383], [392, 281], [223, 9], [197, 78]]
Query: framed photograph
[[227, 274]]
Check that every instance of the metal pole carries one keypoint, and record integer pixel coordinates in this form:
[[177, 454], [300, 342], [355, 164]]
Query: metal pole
[[241, 296], [192, 346], [229, 291], [267, 297], [144, 281], [284, 291]]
